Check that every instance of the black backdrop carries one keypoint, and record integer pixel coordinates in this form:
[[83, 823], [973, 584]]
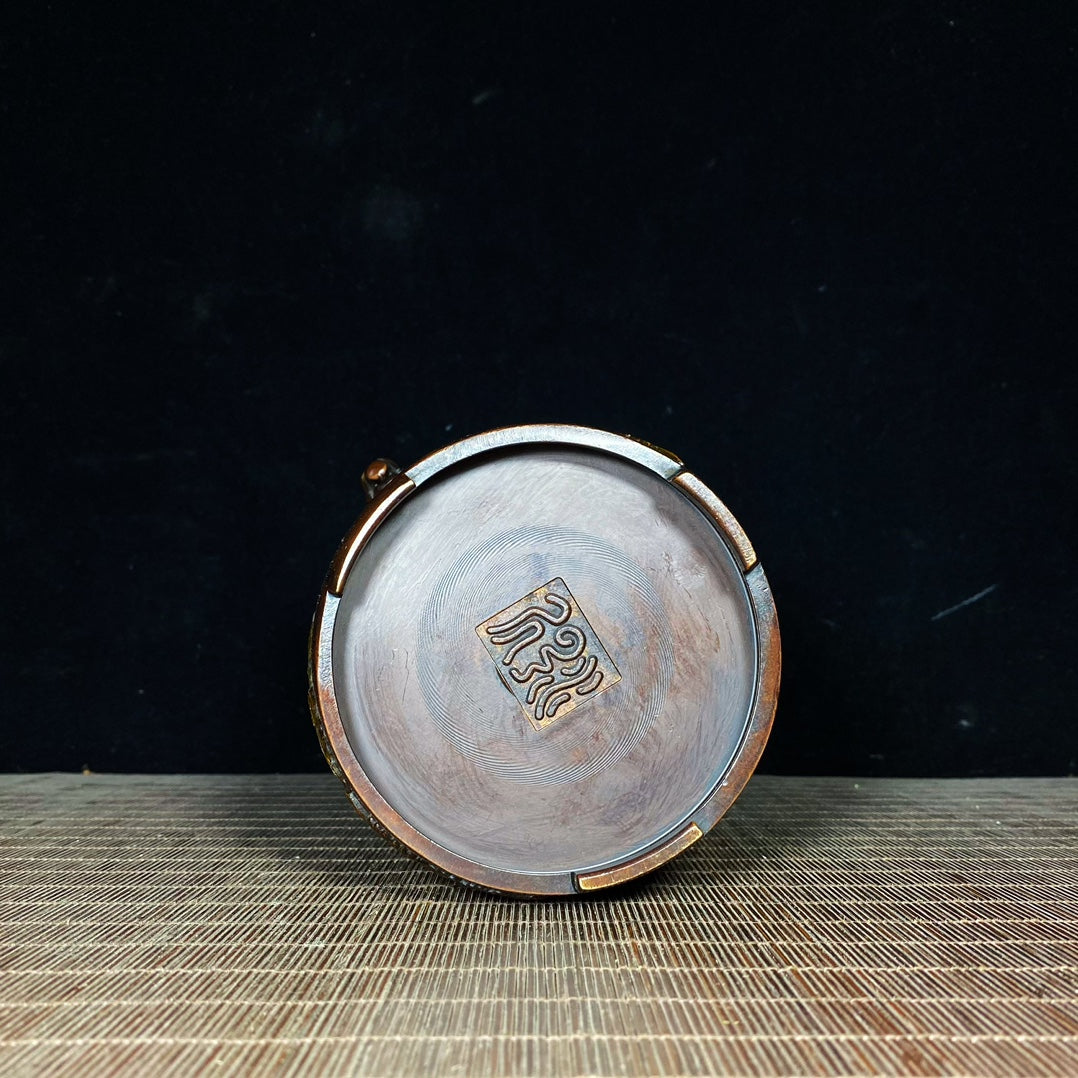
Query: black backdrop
[[821, 256]]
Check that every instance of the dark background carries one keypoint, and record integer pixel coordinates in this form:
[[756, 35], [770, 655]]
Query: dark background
[[823, 256]]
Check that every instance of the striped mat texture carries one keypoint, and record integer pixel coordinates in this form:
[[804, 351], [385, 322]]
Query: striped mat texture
[[253, 925]]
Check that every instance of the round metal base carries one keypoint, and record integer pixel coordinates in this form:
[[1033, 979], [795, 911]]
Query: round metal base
[[546, 659]]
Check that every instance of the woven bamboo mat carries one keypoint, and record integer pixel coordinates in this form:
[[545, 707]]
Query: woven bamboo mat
[[238, 925]]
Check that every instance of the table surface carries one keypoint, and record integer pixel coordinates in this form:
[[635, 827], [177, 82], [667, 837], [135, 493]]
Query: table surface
[[253, 924]]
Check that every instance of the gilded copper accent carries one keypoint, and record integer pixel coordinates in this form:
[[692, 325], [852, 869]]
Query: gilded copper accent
[[640, 866], [727, 523], [384, 502]]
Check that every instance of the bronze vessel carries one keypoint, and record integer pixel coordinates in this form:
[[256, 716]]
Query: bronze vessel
[[546, 658]]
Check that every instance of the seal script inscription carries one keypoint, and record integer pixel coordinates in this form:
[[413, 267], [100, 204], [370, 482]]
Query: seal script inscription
[[547, 653]]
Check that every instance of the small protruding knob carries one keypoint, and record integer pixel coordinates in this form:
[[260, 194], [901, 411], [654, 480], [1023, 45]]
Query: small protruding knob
[[378, 475]]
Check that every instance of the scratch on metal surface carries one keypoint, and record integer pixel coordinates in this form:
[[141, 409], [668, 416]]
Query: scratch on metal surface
[[965, 602]]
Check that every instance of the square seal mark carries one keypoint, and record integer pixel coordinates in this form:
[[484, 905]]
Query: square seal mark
[[547, 653]]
